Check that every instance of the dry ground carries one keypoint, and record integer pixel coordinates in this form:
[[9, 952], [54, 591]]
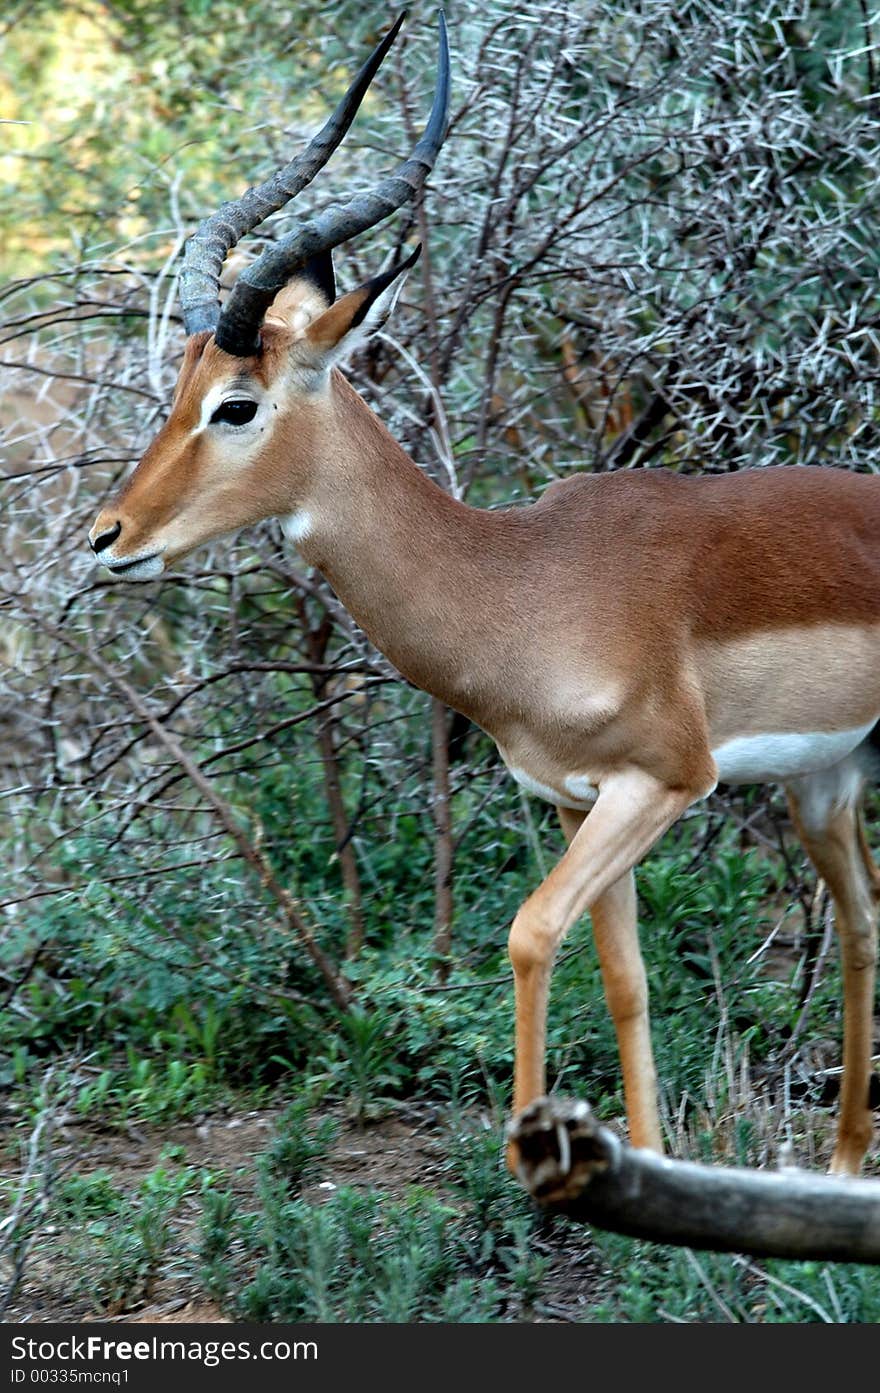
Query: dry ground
[[392, 1155]]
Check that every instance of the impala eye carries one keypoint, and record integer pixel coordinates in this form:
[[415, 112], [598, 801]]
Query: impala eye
[[235, 412]]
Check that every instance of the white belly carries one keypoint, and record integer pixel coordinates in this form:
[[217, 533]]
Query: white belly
[[754, 759], [750, 759]]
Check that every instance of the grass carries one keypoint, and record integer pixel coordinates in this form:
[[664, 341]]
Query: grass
[[462, 1245], [115, 1242], [177, 1034], [367, 1256]]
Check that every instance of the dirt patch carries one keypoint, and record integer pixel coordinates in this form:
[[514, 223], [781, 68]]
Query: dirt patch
[[176, 1312], [407, 1149], [218, 1144]]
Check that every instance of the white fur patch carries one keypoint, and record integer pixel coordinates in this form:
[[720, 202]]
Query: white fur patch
[[137, 568], [580, 795], [297, 526], [150, 569], [579, 786], [210, 402], [755, 759], [822, 794]]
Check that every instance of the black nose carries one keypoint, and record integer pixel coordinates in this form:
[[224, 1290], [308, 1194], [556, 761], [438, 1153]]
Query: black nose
[[106, 539]]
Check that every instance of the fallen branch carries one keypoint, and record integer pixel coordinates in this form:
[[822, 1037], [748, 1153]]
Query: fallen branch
[[572, 1165]]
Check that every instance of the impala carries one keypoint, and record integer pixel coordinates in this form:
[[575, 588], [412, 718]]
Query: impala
[[628, 641]]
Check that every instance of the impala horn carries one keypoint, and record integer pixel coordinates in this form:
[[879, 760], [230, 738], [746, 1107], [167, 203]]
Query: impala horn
[[236, 327]]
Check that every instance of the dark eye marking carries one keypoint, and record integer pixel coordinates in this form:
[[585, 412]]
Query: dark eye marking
[[235, 412]]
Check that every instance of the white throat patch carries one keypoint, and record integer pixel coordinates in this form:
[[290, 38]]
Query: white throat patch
[[297, 526]]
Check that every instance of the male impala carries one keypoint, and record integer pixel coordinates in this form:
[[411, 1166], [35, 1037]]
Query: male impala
[[628, 640]]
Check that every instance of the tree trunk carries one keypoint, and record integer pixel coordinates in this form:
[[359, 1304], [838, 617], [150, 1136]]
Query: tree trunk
[[317, 640], [442, 839], [344, 848]]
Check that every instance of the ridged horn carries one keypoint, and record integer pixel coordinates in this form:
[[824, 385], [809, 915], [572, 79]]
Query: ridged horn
[[238, 328], [216, 235]]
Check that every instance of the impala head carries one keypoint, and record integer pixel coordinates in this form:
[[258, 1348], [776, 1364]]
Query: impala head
[[252, 398]]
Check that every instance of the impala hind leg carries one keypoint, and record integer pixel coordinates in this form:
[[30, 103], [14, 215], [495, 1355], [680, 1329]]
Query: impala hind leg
[[829, 825], [871, 868], [630, 814]]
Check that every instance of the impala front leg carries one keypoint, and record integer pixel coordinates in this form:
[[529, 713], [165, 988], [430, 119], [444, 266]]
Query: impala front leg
[[632, 811], [616, 936]]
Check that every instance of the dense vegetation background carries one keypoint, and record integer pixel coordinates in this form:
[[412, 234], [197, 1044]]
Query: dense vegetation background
[[651, 239]]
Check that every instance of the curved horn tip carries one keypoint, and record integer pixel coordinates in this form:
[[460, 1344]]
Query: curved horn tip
[[387, 39], [439, 115], [411, 259]]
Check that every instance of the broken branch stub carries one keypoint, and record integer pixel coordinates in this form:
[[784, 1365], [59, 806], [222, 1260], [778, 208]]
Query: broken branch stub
[[572, 1165]]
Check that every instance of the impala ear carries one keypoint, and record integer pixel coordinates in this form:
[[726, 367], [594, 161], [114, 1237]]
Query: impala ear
[[346, 325], [306, 295], [318, 270]]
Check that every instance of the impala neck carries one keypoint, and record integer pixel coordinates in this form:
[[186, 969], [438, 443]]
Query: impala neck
[[401, 554]]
